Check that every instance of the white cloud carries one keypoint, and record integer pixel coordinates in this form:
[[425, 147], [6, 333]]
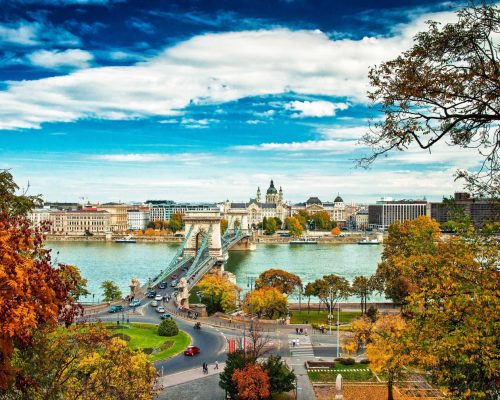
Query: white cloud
[[331, 146], [192, 123], [210, 68], [53, 59], [189, 158], [354, 132], [314, 108], [26, 33]]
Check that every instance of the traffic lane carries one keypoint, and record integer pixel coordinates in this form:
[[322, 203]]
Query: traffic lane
[[212, 346]]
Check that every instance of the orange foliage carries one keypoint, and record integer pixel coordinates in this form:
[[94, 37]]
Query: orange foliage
[[335, 231], [252, 382], [32, 291]]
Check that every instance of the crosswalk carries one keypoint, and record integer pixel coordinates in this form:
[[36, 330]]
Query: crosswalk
[[303, 349]]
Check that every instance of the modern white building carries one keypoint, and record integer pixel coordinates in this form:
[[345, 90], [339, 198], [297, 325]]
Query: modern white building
[[138, 218], [386, 212], [162, 210]]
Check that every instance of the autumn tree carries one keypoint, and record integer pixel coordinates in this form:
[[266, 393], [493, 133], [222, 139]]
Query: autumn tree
[[322, 220], [223, 226], [363, 287], [82, 363], [218, 293], [284, 281], [111, 291], [252, 382], [294, 227], [266, 301], [176, 223], [444, 90], [270, 226], [407, 256], [330, 289], [303, 217], [258, 340], [235, 361], [309, 291], [336, 231]]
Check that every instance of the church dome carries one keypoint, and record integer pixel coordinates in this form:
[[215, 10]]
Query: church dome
[[338, 199], [272, 189]]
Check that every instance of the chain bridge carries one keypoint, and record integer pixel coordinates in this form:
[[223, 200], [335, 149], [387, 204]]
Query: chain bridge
[[204, 248]]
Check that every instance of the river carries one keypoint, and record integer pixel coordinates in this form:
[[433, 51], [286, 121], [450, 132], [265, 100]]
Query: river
[[99, 261]]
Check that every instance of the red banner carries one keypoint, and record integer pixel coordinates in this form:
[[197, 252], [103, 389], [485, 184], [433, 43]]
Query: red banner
[[232, 345]]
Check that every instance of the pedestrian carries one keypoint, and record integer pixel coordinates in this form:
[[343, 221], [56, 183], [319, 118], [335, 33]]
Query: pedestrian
[[305, 331], [301, 331], [203, 368], [293, 342], [216, 364], [297, 330]]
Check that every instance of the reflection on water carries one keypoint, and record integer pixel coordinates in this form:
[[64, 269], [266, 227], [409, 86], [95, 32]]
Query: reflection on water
[[120, 262]]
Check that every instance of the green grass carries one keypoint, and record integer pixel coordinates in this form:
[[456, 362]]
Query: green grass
[[321, 317], [348, 372], [145, 336]]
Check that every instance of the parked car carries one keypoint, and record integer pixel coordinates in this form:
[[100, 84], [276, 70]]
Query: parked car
[[134, 303], [154, 303], [191, 351], [284, 234], [165, 316], [114, 309], [158, 297], [160, 309], [151, 294], [174, 276], [174, 283], [162, 285]]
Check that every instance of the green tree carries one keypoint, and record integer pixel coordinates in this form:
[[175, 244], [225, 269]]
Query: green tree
[[444, 89], [309, 291], [284, 281], [322, 220], [294, 227], [176, 223], [363, 287], [235, 361], [111, 291], [270, 227], [279, 222], [303, 217], [168, 327], [12, 204], [281, 378], [330, 289], [150, 225]]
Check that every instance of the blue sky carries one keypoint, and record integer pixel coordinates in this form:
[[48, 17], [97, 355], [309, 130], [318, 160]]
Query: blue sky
[[206, 100]]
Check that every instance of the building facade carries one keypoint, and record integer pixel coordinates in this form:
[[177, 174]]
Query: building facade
[[118, 215], [162, 210], [138, 218], [88, 221], [386, 212], [361, 220], [336, 209], [273, 206]]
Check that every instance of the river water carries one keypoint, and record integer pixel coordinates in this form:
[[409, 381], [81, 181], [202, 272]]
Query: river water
[[100, 261]]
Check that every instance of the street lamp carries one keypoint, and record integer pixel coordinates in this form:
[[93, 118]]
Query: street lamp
[[250, 284]]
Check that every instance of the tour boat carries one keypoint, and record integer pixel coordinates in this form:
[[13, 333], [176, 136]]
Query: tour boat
[[305, 240], [368, 241], [126, 239]]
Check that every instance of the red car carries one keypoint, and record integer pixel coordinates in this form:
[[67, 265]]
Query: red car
[[191, 351]]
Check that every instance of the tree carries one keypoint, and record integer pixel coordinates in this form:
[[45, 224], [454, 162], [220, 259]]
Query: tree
[[223, 226], [407, 256], [266, 301], [309, 291], [218, 293], [150, 225], [157, 224], [252, 382], [34, 293], [284, 281], [363, 287], [77, 285], [111, 291], [176, 223], [168, 327], [258, 340], [445, 88], [322, 220], [281, 379], [294, 227], [236, 360], [336, 231], [330, 289], [303, 217], [279, 222], [270, 227], [80, 364]]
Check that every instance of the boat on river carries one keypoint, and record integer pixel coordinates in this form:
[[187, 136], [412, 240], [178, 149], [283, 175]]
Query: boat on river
[[368, 241], [126, 239], [304, 240]]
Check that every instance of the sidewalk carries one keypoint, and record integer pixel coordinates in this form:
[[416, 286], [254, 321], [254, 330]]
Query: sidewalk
[[188, 375]]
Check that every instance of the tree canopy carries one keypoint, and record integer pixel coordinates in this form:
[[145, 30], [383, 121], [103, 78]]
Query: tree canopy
[[284, 281], [111, 291], [266, 301], [444, 89], [218, 293]]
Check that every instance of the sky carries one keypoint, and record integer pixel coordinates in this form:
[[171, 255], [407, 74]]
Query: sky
[[116, 100]]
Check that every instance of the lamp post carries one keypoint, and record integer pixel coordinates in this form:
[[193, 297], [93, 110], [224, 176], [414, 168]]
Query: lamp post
[[330, 305], [250, 284], [338, 330]]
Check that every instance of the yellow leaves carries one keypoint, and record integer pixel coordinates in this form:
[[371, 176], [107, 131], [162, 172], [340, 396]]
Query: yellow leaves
[[268, 301], [218, 289]]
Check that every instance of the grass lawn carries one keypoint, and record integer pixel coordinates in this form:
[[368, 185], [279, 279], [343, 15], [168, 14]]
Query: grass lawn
[[357, 372], [145, 337], [321, 317]]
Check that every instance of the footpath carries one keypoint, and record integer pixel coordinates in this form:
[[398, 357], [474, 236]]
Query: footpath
[[188, 375], [300, 353]]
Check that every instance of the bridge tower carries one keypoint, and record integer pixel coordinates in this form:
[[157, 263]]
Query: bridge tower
[[203, 223], [241, 216]]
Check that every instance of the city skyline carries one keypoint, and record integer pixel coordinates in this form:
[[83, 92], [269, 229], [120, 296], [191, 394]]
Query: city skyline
[[191, 101]]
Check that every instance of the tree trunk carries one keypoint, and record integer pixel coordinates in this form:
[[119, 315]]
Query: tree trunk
[[390, 395]]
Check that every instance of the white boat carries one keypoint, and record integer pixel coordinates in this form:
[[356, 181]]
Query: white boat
[[304, 240], [368, 241], [126, 239]]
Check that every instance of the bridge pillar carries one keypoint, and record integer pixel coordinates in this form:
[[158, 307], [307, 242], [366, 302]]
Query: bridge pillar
[[240, 215], [202, 221], [244, 244]]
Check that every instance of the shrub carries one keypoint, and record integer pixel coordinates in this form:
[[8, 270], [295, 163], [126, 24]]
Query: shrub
[[346, 361], [166, 345], [372, 313], [365, 361], [168, 327]]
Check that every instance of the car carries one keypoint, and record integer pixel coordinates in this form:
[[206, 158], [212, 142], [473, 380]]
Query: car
[[134, 303], [191, 351], [154, 303], [174, 276], [162, 285], [284, 234], [114, 309], [165, 316], [158, 297], [160, 309], [174, 283], [151, 294]]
